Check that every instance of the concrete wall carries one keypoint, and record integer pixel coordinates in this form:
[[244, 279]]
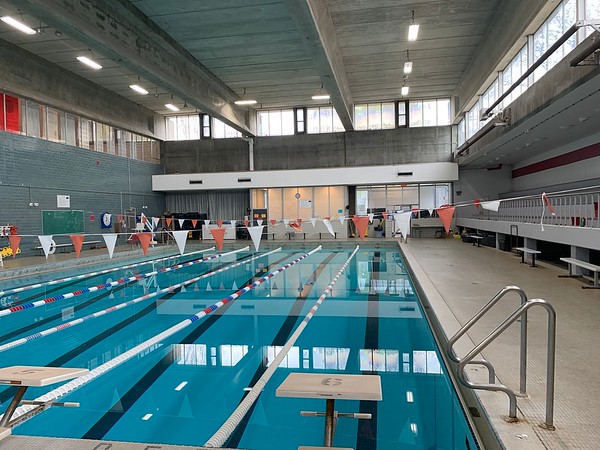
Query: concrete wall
[[359, 148], [34, 170], [29, 76]]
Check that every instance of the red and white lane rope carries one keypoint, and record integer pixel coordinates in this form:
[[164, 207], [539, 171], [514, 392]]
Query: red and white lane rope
[[93, 274], [72, 323], [223, 433], [38, 303], [109, 365]]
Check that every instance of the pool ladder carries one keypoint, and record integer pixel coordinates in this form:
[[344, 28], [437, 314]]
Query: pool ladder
[[520, 312]]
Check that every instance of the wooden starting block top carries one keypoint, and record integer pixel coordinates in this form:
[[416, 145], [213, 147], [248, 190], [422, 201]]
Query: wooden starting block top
[[38, 376], [334, 386]]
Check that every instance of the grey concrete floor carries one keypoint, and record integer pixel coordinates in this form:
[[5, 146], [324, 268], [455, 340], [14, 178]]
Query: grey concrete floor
[[462, 278]]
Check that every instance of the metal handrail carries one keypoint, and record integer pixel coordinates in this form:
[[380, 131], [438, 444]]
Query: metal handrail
[[484, 309], [550, 361]]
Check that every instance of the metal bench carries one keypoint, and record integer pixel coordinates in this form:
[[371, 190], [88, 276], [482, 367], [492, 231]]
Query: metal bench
[[584, 264], [476, 239], [530, 251]]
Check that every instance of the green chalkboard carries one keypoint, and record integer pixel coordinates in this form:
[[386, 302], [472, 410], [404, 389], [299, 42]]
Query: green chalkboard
[[61, 222]]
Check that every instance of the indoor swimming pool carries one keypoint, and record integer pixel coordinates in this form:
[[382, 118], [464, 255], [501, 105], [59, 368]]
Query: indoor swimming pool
[[180, 388]]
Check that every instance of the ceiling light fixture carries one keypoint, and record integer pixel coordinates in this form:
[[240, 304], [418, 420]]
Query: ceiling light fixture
[[405, 88], [247, 101], [321, 95], [413, 29], [88, 61], [408, 64], [137, 88], [171, 106], [18, 25]]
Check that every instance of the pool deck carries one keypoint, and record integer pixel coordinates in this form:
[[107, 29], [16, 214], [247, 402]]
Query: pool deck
[[458, 279]]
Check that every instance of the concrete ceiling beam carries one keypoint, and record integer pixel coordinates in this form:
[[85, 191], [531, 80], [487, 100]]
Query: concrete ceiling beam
[[316, 29], [119, 31]]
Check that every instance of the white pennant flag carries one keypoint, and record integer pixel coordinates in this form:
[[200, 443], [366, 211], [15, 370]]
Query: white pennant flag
[[110, 239], [181, 238], [371, 217], [403, 223], [256, 235], [259, 222], [233, 224], [46, 242], [180, 222], [286, 222], [206, 222], [313, 220], [155, 221], [492, 205], [329, 227], [342, 218]]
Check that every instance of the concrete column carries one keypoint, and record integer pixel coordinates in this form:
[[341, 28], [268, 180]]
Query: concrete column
[[582, 254]]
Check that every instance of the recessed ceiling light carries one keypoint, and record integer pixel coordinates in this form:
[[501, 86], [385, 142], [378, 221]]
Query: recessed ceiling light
[[245, 102], [172, 107], [18, 25], [138, 89], [88, 62]]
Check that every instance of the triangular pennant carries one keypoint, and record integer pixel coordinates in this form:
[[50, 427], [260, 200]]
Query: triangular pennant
[[491, 205], [168, 221], [286, 222], [342, 218], [477, 203], [232, 223], [208, 286], [313, 220], [155, 221], [46, 242], [183, 289], [196, 288], [445, 214], [77, 240], [194, 223], [180, 222], [110, 239], [274, 286], [186, 409], [219, 235], [221, 286], [385, 215], [234, 286], [144, 239], [256, 235], [403, 223], [296, 226], [14, 240], [361, 224], [144, 218], [180, 238], [120, 217], [273, 221], [259, 222], [327, 217], [329, 227], [206, 222], [371, 217], [219, 223]]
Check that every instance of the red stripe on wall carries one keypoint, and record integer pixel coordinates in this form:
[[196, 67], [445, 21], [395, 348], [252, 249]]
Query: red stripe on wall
[[591, 151]]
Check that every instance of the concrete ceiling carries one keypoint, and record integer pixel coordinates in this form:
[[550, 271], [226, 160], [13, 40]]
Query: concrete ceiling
[[279, 52]]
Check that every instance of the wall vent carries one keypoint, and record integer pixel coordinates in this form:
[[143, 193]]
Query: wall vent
[[405, 174], [244, 180], [195, 181]]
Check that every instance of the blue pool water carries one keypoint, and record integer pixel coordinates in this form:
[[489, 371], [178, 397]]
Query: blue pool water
[[182, 389]]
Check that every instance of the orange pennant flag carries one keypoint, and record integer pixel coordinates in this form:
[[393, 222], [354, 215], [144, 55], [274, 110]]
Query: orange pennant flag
[[144, 239], [477, 203], [273, 221], [194, 222], [14, 240], [361, 224], [219, 235], [168, 221], [445, 214], [385, 215], [144, 219], [327, 217], [220, 224], [246, 223], [120, 217], [77, 243]]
